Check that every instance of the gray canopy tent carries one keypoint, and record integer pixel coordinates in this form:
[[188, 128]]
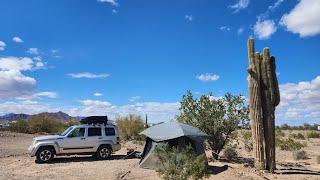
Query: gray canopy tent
[[175, 134]]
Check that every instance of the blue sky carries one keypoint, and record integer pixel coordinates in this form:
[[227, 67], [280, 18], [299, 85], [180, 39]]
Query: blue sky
[[94, 57]]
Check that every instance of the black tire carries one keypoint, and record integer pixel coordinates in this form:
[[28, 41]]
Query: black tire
[[45, 154], [104, 152]]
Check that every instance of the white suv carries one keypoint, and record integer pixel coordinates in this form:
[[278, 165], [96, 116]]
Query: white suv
[[98, 140]]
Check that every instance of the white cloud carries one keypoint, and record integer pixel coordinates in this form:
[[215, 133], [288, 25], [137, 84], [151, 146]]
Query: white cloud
[[34, 51], [28, 107], [88, 75], [16, 63], [2, 45], [240, 31], [241, 4], [275, 5], [13, 83], [112, 2], [208, 77], [303, 19], [89, 102], [48, 94], [134, 98], [38, 63], [189, 18], [114, 11], [97, 94], [17, 39], [264, 29], [224, 28], [156, 111], [300, 102], [39, 95]]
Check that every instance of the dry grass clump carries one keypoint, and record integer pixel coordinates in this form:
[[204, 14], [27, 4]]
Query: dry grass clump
[[300, 155], [318, 159], [297, 136], [289, 144], [313, 134], [229, 152]]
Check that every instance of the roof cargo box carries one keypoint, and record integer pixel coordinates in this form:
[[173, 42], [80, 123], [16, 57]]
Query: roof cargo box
[[95, 120]]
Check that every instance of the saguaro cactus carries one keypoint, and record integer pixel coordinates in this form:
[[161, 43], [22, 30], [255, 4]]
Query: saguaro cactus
[[264, 89], [255, 105]]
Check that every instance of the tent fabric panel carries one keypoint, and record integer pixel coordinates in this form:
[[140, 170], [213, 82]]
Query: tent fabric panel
[[171, 130]]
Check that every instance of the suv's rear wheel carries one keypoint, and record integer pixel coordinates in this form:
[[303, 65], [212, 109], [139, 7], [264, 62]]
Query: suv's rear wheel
[[104, 152], [45, 154]]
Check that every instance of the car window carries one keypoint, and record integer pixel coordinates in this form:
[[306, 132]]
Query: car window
[[110, 131], [94, 132], [66, 131], [78, 132]]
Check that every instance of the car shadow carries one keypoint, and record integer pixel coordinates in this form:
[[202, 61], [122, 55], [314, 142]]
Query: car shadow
[[85, 158]]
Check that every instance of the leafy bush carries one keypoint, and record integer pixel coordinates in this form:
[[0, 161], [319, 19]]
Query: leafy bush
[[44, 124], [40, 124], [248, 146], [230, 152], [279, 133], [313, 134], [297, 136], [20, 126], [216, 117], [318, 159], [305, 126], [247, 135], [180, 163], [298, 155], [130, 127], [289, 144]]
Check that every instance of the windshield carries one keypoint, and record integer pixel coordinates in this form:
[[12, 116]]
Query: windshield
[[66, 131]]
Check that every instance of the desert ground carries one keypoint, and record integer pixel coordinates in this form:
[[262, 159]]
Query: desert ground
[[16, 164]]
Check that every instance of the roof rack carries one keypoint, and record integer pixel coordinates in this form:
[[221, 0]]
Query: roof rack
[[95, 120]]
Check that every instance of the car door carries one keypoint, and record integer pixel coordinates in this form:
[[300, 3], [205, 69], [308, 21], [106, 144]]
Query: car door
[[75, 142], [94, 136]]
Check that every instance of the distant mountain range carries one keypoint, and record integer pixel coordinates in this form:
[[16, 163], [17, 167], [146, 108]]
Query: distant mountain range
[[58, 116]]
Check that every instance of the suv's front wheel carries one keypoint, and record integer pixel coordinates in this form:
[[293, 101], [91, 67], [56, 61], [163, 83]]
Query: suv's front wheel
[[103, 152], [45, 154]]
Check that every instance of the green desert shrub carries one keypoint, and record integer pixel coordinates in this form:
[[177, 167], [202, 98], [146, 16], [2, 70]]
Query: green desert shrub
[[289, 144], [130, 127], [20, 126], [313, 134], [299, 155], [279, 133], [247, 135], [44, 124], [297, 136], [218, 117], [229, 152], [248, 146], [180, 163], [38, 124], [318, 159]]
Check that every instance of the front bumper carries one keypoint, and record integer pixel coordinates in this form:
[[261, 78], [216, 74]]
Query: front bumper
[[32, 150]]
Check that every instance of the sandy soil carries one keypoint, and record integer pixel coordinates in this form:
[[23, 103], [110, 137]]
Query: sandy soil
[[16, 164]]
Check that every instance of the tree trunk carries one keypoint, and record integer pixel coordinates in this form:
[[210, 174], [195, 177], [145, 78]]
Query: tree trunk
[[264, 96], [255, 105]]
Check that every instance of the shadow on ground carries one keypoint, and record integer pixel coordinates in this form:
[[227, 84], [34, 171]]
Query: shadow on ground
[[247, 162], [70, 159], [297, 171], [217, 169]]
